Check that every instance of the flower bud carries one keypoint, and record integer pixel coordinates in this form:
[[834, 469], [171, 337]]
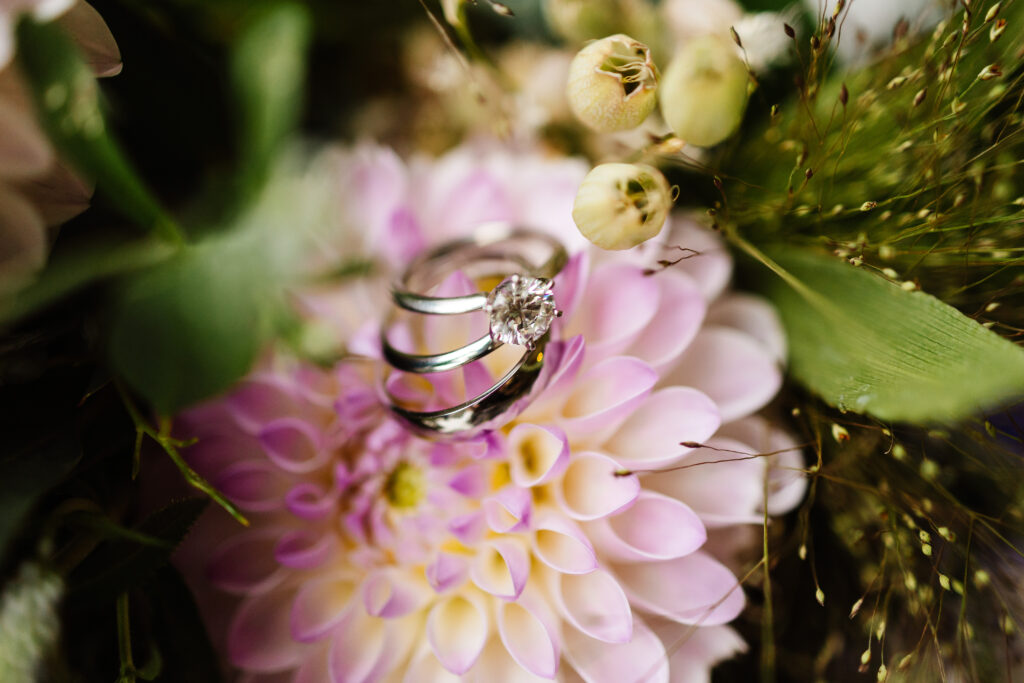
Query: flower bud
[[704, 92], [580, 20], [612, 84], [618, 206]]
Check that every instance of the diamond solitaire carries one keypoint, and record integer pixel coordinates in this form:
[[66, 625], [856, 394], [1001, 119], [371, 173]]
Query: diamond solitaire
[[521, 309]]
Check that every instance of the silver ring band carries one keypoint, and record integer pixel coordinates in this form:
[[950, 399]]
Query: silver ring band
[[530, 260]]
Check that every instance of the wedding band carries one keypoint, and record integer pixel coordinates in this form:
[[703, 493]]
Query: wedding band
[[520, 310]]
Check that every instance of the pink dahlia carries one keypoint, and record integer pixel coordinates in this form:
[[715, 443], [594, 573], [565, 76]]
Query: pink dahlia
[[570, 544]]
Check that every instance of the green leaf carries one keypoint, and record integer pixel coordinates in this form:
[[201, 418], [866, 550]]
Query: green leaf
[[68, 99], [268, 71], [191, 326], [866, 345], [118, 566]]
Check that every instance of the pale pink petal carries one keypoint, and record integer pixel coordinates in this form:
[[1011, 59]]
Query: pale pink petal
[[253, 485], [654, 528], [359, 649], [472, 481], [562, 363], [595, 486], [529, 639], [619, 303], [390, 593], [738, 373], [24, 150], [320, 605], [23, 241], [501, 568], [447, 571], [753, 315], [457, 629], [537, 454], [642, 658], [723, 486], [306, 548], [652, 436], [496, 664], [787, 482], [259, 400], [476, 200], [694, 589], [58, 195], [90, 32], [424, 667], [309, 501], [711, 267], [315, 665], [604, 396], [594, 603], [561, 545], [259, 638], [508, 510], [677, 321], [569, 288], [294, 445], [468, 528], [694, 652], [245, 563]]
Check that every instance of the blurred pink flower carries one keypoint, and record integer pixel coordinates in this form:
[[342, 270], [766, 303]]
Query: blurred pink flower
[[568, 544], [36, 190]]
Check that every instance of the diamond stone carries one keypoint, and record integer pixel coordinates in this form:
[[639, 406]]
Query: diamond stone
[[521, 309]]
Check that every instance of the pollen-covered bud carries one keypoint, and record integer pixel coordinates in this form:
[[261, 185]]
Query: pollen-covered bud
[[613, 84], [618, 206], [704, 92]]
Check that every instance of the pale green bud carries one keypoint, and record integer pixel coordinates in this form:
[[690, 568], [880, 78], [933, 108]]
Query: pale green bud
[[618, 206], [580, 20], [704, 91], [612, 84]]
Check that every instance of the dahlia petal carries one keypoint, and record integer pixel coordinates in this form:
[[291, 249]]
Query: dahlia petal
[[245, 563], [508, 510], [528, 639], [23, 241], [309, 501], [694, 589], [678, 319], [562, 362], [537, 454], [651, 436], [447, 571], [93, 38], [305, 548], [711, 267], [642, 658], [58, 195], [727, 487], [24, 150], [696, 651], [457, 629], [476, 200], [255, 486], [472, 481], [390, 593], [260, 399], [619, 303], [594, 603], [468, 528], [738, 373], [594, 486], [754, 316], [321, 605], [570, 285], [604, 396], [787, 483], [496, 664], [424, 667], [259, 638], [501, 568], [477, 378], [359, 649], [655, 527], [294, 445], [315, 666], [402, 238], [561, 545]]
